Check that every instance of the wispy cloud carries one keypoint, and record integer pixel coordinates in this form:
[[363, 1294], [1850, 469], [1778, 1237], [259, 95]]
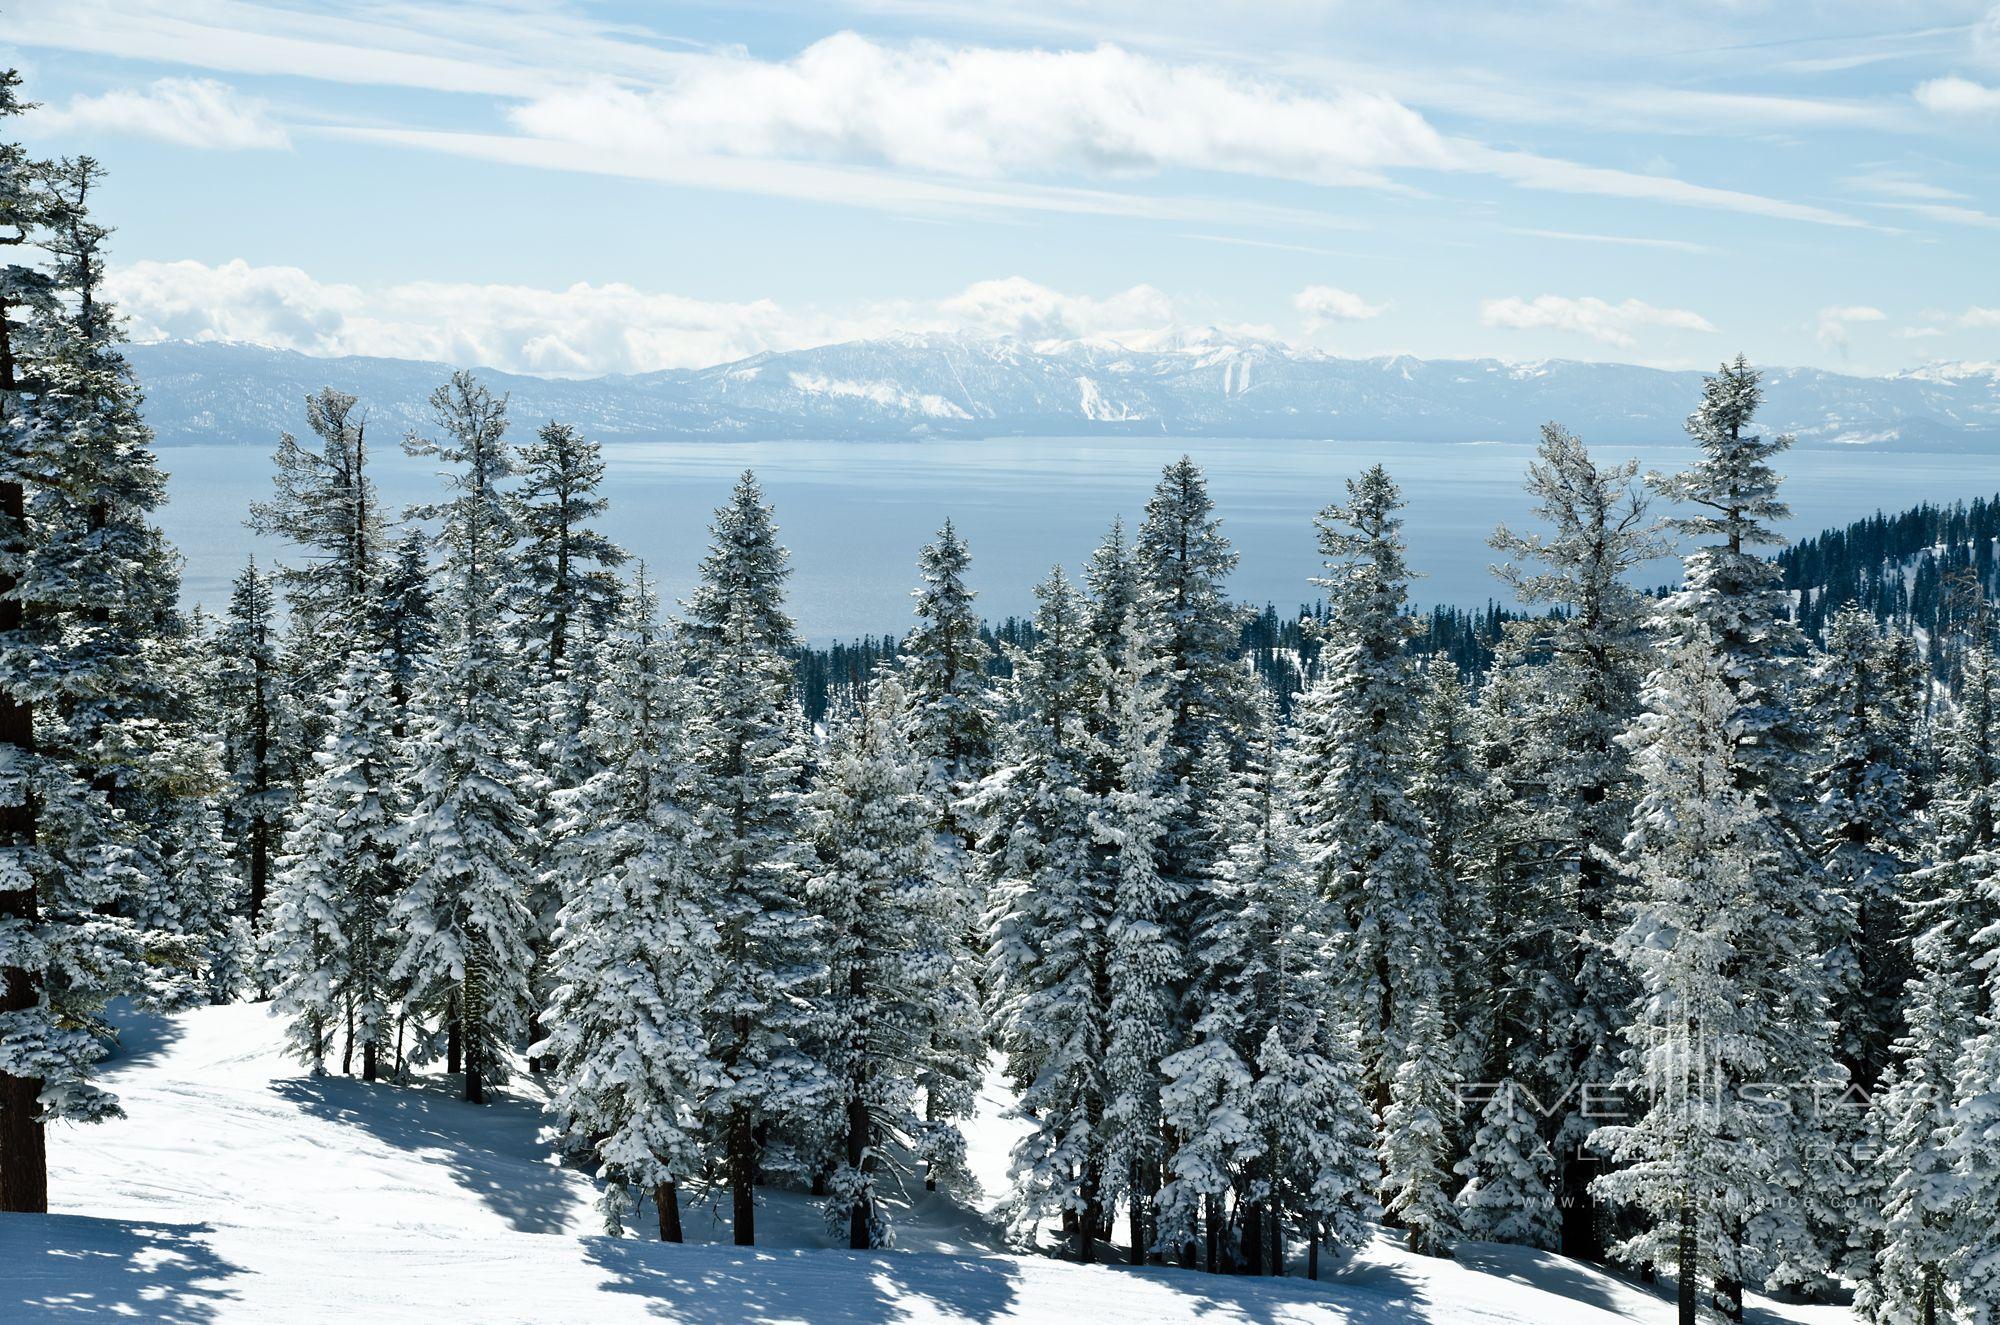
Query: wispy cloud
[[1612, 324], [1832, 325], [189, 112], [1633, 241]]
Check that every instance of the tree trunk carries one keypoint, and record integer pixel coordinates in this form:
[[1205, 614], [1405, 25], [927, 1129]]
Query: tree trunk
[[1277, 1241], [1138, 1218], [1211, 1222], [743, 1176], [1689, 1267], [667, 1197], [534, 1037], [1253, 1238], [454, 1038], [858, 1216], [1582, 1235], [1312, 1254], [24, 1155], [475, 1087], [347, 1047]]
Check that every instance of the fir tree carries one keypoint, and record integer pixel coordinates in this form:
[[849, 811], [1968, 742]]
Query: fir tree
[[1049, 913], [634, 953], [464, 905], [886, 953], [332, 946], [749, 758], [258, 734]]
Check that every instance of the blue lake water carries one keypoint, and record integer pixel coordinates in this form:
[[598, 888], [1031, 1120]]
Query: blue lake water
[[855, 513]]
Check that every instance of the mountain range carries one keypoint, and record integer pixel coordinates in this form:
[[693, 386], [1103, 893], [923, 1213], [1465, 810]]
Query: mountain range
[[966, 386]]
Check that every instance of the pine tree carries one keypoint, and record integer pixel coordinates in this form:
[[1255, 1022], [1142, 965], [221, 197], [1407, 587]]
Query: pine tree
[[634, 953], [1564, 688], [464, 904], [1509, 1191], [332, 945], [258, 734], [749, 821], [876, 891], [1360, 834], [92, 743], [952, 726], [1049, 913], [1419, 1125]]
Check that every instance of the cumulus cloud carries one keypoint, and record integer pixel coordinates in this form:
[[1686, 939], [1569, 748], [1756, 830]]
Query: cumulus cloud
[[1324, 304], [1958, 96], [1612, 324], [990, 112], [1016, 306], [584, 329], [189, 112], [1834, 322]]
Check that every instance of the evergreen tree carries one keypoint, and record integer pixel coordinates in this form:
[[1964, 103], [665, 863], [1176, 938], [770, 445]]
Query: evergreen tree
[[1360, 833], [258, 734], [634, 954], [92, 744], [465, 855], [1565, 687], [749, 757], [332, 946], [1049, 913], [953, 728], [887, 954]]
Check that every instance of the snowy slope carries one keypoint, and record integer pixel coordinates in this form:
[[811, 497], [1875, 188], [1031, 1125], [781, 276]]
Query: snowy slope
[[239, 1191]]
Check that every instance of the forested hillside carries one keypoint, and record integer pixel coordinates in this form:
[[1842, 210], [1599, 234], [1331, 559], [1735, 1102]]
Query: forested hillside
[[1651, 928]]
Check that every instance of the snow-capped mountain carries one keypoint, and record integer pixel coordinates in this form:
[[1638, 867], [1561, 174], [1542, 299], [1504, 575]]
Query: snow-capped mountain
[[915, 386]]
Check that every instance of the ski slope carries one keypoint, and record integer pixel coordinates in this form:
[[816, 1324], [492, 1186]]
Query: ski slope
[[239, 1190]]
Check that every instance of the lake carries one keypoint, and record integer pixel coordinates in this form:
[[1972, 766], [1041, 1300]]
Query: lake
[[855, 513]]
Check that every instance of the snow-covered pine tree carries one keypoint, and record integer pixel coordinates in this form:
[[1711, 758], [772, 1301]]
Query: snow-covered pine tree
[[332, 944], [1973, 1138], [1452, 790], [1552, 732], [1049, 911], [875, 888], [1509, 1191], [467, 847], [953, 728], [566, 595], [1693, 1159], [1732, 602], [1146, 961], [1860, 780], [326, 505], [1183, 563], [407, 621], [1360, 834], [90, 735], [635, 951], [749, 756], [259, 752], [1421, 1122]]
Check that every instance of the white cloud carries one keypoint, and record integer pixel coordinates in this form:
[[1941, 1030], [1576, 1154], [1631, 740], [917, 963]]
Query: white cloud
[[990, 112], [1958, 96], [1834, 322], [1613, 324], [190, 112], [584, 329], [1016, 306], [978, 112], [1323, 304], [1978, 318]]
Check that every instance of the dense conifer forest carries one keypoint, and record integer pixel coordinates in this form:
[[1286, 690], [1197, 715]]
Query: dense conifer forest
[[1661, 927]]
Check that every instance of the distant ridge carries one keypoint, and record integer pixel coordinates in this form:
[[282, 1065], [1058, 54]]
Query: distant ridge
[[964, 386]]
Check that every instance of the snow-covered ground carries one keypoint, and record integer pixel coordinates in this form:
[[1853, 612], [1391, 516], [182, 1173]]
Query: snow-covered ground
[[238, 1190]]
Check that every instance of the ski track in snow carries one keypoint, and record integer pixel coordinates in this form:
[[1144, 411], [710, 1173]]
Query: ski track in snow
[[241, 1192]]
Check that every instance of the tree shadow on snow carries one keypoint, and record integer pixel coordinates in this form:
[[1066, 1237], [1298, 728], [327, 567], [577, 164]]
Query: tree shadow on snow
[[141, 1035], [1358, 1294], [492, 1150], [68, 1267], [699, 1285]]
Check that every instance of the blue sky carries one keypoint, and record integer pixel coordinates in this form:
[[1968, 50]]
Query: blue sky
[[578, 188]]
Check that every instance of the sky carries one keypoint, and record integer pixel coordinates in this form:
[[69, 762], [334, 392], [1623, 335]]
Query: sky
[[581, 188]]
